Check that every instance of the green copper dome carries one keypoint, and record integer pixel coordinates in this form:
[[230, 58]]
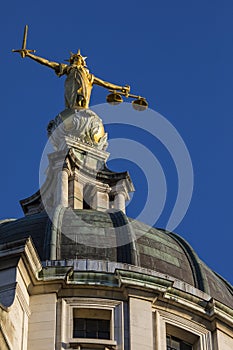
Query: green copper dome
[[145, 247]]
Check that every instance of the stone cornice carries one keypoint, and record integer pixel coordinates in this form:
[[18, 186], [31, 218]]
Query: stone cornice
[[63, 276], [117, 276]]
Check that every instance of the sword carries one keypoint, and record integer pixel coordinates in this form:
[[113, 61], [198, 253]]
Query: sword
[[23, 49]]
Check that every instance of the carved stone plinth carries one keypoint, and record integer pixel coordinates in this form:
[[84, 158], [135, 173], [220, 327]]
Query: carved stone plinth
[[77, 175]]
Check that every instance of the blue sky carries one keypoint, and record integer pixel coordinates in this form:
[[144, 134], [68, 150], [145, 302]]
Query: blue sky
[[179, 54]]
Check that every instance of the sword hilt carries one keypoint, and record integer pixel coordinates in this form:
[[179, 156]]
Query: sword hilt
[[23, 51]]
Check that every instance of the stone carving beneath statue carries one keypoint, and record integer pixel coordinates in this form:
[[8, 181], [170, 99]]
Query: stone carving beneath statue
[[83, 125]]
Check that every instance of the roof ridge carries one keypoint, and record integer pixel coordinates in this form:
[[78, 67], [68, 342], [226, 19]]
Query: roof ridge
[[194, 261]]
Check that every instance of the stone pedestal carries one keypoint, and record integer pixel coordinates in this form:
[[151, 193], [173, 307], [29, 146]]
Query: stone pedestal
[[77, 175]]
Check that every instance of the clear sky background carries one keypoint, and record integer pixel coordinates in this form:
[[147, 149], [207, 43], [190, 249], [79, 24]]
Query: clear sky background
[[179, 54]]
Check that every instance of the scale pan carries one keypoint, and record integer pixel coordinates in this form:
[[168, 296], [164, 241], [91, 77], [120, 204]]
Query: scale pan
[[140, 104], [114, 99]]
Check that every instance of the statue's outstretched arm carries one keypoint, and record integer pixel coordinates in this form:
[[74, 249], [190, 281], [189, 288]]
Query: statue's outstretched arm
[[111, 86], [50, 64]]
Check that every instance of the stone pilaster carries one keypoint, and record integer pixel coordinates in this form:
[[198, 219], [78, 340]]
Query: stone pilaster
[[75, 193], [100, 197], [141, 326], [62, 188]]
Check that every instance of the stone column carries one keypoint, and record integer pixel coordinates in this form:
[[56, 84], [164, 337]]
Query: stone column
[[120, 194], [62, 188], [119, 201]]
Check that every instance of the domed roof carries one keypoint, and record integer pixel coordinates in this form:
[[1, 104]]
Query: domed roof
[[112, 236]]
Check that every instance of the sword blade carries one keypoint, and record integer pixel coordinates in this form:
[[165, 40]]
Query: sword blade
[[25, 37]]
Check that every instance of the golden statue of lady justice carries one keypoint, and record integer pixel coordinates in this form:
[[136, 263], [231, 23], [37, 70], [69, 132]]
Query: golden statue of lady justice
[[79, 81]]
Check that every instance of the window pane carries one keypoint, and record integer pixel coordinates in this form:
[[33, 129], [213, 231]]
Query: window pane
[[79, 323], [104, 324], [103, 335], [185, 346], [78, 328], [92, 335], [177, 344], [79, 334], [92, 325], [104, 329], [91, 328]]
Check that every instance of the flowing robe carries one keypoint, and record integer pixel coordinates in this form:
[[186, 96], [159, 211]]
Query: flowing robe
[[78, 85]]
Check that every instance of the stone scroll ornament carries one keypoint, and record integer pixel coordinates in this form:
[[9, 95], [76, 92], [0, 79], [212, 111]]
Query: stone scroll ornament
[[82, 125]]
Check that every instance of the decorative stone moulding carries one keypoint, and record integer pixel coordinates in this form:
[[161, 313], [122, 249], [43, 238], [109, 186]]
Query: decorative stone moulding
[[83, 125]]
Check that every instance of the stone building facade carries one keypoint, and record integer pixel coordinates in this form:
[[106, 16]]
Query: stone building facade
[[77, 273]]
